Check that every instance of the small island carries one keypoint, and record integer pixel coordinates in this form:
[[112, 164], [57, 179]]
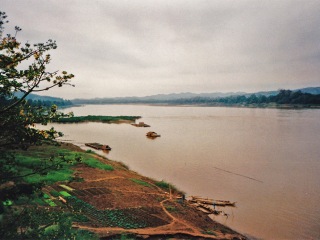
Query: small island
[[103, 119]]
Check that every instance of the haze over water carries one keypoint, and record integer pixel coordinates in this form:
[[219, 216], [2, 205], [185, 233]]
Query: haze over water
[[267, 160]]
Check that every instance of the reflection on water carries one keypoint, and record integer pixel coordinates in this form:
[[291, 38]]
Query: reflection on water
[[266, 160]]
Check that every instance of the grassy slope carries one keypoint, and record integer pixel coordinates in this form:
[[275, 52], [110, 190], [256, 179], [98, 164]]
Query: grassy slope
[[117, 216], [41, 155]]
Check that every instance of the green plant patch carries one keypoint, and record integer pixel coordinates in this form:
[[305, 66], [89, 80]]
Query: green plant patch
[[111, 218], [140, 182], [165, 185], [7, 203], [65, 194], [95, 163], [50, 202], [46, 196], [51, 177], [90, 151]]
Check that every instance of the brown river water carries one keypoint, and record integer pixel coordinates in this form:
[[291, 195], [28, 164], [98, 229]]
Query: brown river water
[[266, 160]]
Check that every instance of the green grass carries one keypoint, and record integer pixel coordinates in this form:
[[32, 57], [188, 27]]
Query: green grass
[[51, 177], [140, 182], [92, 118], [39, 156], [165, 185], [95, 163], [90, 151], [50, 202]]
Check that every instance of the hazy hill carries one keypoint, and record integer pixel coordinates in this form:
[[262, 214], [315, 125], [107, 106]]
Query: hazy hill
[[47, 100], [35, 97], [163, 98], [159, 98]]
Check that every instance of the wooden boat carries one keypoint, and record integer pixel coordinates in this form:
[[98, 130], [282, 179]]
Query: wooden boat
[[221, 203], [152, 135], [98, 146]]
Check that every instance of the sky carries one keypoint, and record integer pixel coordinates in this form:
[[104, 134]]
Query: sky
[[122, 48]]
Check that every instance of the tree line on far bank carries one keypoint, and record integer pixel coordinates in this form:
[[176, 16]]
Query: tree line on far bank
[[287, 97], [283, 96]]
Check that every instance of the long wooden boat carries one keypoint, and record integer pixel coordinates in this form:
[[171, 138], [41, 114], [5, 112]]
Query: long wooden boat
[[98, 146], [221, 203]]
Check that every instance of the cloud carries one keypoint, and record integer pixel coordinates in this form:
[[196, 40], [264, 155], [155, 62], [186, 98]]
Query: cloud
[[121, 48]]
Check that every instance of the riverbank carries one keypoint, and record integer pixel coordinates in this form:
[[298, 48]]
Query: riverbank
[[116, 201]]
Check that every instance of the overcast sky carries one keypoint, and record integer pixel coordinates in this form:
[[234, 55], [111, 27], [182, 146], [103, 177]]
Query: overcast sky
[[138, 48]]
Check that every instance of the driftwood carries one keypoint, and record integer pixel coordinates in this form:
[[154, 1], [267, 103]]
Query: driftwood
[[207, 201]]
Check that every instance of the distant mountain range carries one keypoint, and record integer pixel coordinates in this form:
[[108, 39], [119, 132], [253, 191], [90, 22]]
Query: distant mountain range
[[158, 98], [162, 98]]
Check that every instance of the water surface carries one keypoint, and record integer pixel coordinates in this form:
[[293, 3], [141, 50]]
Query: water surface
[[267, 160]]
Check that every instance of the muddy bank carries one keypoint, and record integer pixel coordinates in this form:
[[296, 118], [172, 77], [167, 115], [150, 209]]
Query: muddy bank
[[123, 202]]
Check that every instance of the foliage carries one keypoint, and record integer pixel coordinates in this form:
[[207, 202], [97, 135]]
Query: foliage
[[24, 70], [47, 103], [40, 223], [283, 97]]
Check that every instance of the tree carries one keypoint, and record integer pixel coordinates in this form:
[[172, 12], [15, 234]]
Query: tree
[[23, 69]]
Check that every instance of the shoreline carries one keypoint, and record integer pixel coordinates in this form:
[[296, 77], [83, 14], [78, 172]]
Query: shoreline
[[255, 106], [175, 224]]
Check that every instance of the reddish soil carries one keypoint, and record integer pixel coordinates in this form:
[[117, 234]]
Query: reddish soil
[[165, 215]]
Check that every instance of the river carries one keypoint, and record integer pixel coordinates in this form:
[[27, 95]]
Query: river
[[266, 160]]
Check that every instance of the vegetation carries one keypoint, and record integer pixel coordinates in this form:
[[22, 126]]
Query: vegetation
[[111, 218], [92, 162], [90, 118], [283, 97], [306, 97], [37, 158], [165, 185], [48, 103], [23, 70], [140, 182], [38, 223]]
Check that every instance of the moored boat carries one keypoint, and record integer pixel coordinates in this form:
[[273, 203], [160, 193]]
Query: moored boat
[[221, 203], [98, 146]]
